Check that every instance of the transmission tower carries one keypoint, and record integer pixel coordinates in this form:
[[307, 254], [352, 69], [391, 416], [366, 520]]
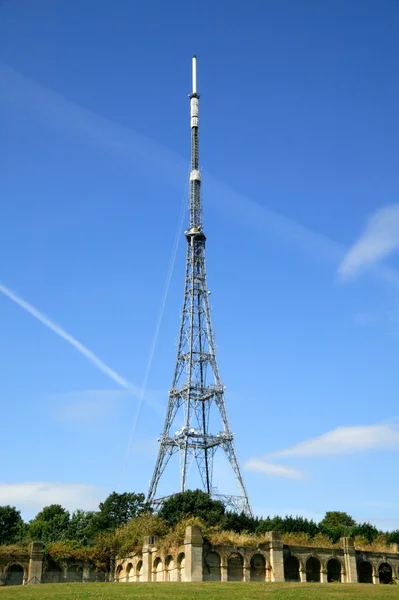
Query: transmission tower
[[196, 382]]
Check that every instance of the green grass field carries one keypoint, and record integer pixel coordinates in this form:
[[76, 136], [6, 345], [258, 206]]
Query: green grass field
[[199, 591]]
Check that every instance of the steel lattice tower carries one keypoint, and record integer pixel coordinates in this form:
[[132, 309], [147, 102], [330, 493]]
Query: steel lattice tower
[[196, 382]]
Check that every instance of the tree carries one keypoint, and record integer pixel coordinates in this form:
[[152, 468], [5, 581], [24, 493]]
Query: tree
[[118, 509], [393, 537], [300, 525], [83, 526], [337, 519], [232, 521], [337, 524], [288, 524], [366, 530], [192, 503], [12, 527], [50, 525]]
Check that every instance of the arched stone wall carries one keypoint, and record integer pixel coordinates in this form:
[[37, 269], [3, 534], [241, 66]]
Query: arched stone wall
[[291, 568], [74, 574], [15, 574], [269, 561], [139, 570], [181, 563], [170, 568], [53, 575], [365, 572], [235, 567], [385, 572], [211, 568], [257, 567], [334, 570], [158, 569], [313, 569], [129, 572]]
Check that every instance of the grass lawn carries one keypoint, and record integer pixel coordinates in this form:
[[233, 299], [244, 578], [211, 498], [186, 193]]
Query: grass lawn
[[199, 591]]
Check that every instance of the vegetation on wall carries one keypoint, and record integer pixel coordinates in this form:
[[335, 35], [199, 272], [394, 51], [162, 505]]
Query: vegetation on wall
[[122, 520]]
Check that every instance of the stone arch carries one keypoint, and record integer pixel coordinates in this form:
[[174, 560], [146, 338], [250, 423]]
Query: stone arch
[[158, 569], [15, 574], [365, 572], [385, 573], [53, 575], [74, 574], [129, 572], [313, 568], [118, 574], [235, 567], [170, 568], [257, 567], [334, 570], [181, 562], [291, 568], [211, 570], [139, 570]]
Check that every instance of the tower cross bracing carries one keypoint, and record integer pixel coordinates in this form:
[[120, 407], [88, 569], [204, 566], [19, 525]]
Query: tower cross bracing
[[196, 384]]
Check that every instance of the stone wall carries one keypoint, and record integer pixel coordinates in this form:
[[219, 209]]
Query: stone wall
[[14, 568], [26, 568], [197, 560]]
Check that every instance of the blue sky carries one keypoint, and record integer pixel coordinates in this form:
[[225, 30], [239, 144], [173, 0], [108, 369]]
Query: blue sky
[[299, 146]]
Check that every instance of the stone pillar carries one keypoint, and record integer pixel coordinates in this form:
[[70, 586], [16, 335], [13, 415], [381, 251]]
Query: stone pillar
[[149, 541], [35, 563], [276, 555], [323, 576], [349, 559], [86, 572], [302, 574], [246, 567], [193, 553], [223, 569]]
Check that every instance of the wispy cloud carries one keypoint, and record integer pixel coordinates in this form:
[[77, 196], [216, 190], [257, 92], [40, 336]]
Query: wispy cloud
[[379, 239], [86, 405], [266, 468], [346, 440], [33, 496], [93, 405], [88, 354], [338, 442]]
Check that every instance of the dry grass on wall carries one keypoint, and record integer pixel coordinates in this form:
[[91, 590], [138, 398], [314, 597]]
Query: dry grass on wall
[[380, 544], [304, 539]]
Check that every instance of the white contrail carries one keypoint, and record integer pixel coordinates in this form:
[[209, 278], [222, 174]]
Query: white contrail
[[71, 340]]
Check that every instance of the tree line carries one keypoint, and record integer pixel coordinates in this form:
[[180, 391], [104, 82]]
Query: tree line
[[56, 524]]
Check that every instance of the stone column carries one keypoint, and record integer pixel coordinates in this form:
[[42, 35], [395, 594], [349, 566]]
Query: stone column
[[349, 559], [246, 567], [302, 574], [86, 572], [193, 553], [35, 563], [223, 569], [276, 555], [323, 576], [149, 541]]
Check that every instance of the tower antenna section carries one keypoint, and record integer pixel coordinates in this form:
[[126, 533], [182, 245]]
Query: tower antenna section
[[196, 386]]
